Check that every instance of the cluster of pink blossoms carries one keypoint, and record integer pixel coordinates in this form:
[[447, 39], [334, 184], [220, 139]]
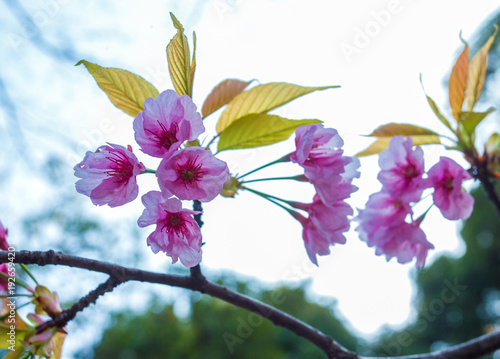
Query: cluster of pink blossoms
[[383, 223], [4, 246], [319, 152], [108, 176]]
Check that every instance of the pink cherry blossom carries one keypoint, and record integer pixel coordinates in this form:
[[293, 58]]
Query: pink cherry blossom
[[166, 122], [446, 177], [404, 241], [319, 152], [192, 173], [108, 175], [402, 169], [382, 225], [4, 246], [177, 233], [324, 226]]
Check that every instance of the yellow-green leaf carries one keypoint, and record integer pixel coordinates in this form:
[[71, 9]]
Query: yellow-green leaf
[[470, 120], [59, 340], [477, 72], [178, 60], [420, 136], [16, 353], [193, 63], [261, 99], [435, 109], [222, 94], [458, 82], [126, 90], [256, 130]]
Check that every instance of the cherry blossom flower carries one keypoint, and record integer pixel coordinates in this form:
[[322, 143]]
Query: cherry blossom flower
[[192, 173], [382, 225], [177, 234], [402, 169], [446, 177], [166, 122], [404, 241], [319, 152], [317, 146], [4, 246], [108, 175], [324, 226]]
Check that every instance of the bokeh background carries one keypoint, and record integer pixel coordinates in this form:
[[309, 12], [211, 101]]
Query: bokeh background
[[52, 112]]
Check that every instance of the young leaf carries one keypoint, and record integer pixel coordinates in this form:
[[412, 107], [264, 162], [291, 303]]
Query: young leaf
[[420, 136], [59, 340], [435, 109], [193, 62], [470, 120], [477, 72], [256, 130], [178, 60], [261, 99], [126, 90], [458, 82], [222, 94]]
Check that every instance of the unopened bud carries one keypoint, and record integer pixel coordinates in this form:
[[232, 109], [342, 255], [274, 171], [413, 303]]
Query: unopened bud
[[231, 187]]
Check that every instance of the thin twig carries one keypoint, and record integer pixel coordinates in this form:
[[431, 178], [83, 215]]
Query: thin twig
[[61, 319]]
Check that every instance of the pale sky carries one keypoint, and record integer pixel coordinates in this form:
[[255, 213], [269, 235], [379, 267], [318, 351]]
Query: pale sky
[[375, 50]]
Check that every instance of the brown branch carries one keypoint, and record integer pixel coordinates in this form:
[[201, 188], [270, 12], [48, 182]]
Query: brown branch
[[197, 282], [474, 348], [480, 171]]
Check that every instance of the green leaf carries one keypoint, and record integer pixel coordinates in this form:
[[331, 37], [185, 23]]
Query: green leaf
[[420, 136], [435, 109], [256, 130], [222, 94], [261, 99], [470, 120], [126, 90], [181, 71]]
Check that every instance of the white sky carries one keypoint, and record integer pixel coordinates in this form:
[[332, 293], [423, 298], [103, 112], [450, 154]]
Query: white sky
[[63, 110]]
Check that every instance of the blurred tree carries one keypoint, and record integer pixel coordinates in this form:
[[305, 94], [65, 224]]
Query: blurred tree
[[459, 298], [215, 329]]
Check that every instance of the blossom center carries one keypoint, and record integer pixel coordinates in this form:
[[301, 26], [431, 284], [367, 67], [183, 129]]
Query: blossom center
[[190, 172], [447, 183], [409, 171], [165, 137], [120, 168], [174, 223]]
